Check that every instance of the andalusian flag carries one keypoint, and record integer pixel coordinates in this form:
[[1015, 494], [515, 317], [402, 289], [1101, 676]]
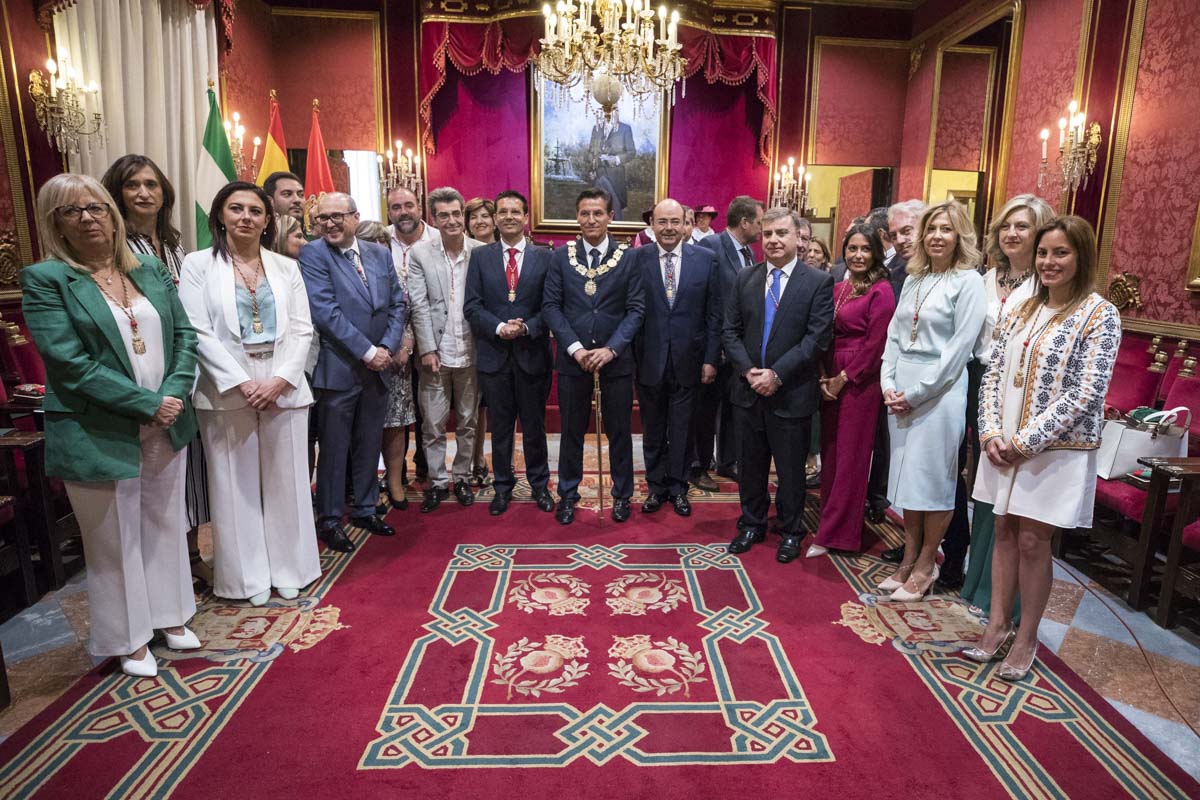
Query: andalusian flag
[[318, 180], [214, 170], [275, 153]]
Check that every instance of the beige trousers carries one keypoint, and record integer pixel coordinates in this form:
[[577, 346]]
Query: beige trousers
[[135, 546], [450, 388]]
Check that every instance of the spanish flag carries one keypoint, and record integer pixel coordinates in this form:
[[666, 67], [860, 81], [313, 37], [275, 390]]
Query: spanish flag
[[318, 179], [275, 153]]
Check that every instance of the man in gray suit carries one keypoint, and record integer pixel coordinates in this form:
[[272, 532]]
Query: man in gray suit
[[437, 286], [358, 309]]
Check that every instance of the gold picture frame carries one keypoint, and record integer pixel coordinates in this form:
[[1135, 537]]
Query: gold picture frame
[[553, 192]]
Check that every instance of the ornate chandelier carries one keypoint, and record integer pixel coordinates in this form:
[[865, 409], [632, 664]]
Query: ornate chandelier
[[1078, 146], [67, 108], [401, 168], [622, 52]]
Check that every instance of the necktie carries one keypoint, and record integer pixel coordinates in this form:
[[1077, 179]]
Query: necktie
[[747, 257], [362, 276], [770, 306], [670, 280], [595, 258], [510, 272]]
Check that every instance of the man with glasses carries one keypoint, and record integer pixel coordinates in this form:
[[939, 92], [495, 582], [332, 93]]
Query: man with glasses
[[437, 285], [358, 309]]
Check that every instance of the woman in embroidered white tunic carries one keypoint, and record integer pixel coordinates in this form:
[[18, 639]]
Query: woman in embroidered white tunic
[[924, 380], [1009, 283], [1041, 415]]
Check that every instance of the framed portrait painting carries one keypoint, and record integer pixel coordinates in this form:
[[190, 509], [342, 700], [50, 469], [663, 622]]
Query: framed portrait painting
[[573, 148]]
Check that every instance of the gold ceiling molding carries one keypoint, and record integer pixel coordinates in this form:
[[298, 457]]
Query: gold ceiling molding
[[744, 17]]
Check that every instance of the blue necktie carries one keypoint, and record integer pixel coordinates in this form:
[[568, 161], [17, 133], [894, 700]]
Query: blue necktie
[[770, 306]]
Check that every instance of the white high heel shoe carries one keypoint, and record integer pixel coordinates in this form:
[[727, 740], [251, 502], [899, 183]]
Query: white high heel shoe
[[261, 598], [182, 641], [287, 593], [144, 667], [815, 550], [892, 582]]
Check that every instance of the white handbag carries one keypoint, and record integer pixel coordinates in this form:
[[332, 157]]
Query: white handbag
[[1124, 441]]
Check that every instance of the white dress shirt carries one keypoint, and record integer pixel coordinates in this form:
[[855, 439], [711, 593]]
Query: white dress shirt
[[457, 346], [400, 248], [520, 256], [783, 280], [587, 259]]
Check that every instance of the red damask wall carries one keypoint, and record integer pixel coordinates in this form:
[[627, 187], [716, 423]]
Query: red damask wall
[[1049, 53], [328, 58], [860, 104], [962, 105], [915, 144], [854, 200], [1161, 186]]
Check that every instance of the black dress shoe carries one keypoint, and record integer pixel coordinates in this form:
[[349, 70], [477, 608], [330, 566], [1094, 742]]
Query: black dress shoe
[[499, 504], [544, 501], [730, 472], [373, 525], [566, 512], [893, 556], [653, 503], [392, 503], [433, 498], [463, 493], [813, 480], [950, 581], [335, 538], [744, 540], [682, 507], [789, 547], [876, 514], [704, 481], [620, 511]]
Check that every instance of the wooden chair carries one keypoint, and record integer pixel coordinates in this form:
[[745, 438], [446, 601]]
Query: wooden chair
[[35, 505], [1179, 579], [1141, 553], [16, 554]]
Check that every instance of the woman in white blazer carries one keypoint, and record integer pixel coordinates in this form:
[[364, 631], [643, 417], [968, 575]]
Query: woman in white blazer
[[250, 311]]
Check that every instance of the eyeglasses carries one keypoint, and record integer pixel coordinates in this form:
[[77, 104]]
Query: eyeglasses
[[73, 213], [337, 218]]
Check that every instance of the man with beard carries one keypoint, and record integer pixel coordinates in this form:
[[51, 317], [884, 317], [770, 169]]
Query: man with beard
[[286, 193], [406, 231]]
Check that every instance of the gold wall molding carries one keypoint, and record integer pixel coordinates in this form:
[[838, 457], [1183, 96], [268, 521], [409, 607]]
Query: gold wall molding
[[24, 238], [1192, 282]]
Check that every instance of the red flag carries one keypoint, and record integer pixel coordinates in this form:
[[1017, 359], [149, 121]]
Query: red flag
[[318, 180]]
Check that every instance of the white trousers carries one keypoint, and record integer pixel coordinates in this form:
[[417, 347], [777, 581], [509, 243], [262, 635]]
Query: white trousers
[[135, 546], [259, 497]]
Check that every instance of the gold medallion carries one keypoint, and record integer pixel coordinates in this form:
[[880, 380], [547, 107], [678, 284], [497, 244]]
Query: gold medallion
[[590, 287], [139, 347], [512, 296]]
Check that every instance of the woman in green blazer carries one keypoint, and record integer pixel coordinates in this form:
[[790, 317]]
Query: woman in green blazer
[[120, 361]]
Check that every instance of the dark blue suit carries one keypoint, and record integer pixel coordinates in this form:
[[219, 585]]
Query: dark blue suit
[[675, 342], [514, 374], [609, 318], [778, 426], [713, 420], [351, 398]]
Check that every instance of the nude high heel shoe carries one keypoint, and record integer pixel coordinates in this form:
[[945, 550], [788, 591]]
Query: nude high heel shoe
[[903, 595], [981, 656], [1012, 672], [892, 582]]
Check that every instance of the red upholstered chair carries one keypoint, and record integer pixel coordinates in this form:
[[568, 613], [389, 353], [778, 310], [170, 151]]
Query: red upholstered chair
[[1133, 383], [1185, 391], [1180, 361]]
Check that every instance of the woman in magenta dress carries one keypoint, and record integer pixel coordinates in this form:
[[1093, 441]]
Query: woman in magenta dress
[[863, 307]]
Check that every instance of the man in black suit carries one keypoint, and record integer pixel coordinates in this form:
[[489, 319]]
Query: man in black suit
[[611, 147], [594, 305], [713, 422], [505, 282], [899, 240], [778, 320], [676, 350]]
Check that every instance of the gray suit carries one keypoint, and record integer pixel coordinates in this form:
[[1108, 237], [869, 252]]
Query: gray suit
[[434, 300]]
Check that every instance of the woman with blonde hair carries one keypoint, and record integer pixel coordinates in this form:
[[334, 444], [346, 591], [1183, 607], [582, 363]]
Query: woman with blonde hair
[[120, 359], [289, 236], [1009, 282], [924, 380], [1041, 416]]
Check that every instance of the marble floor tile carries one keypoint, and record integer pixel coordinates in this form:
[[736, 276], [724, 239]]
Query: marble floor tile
[[39, 628], [1064, 601], [37, 682], [1052, 633], [1173, 738]]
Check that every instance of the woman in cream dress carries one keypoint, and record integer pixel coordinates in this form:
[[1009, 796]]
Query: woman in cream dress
[[1041, 416], [924, 379], [1009, 283]]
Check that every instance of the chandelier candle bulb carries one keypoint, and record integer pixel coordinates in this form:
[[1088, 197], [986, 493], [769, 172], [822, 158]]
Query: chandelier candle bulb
[[257, 143], [1044, 135]]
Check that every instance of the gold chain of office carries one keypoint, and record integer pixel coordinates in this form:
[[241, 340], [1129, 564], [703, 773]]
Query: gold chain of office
[[590, 273]]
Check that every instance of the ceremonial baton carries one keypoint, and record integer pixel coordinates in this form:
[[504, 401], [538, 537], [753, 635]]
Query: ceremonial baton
[[596, 397]]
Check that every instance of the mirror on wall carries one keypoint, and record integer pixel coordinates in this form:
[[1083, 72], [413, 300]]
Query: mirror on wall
[[968, 120]]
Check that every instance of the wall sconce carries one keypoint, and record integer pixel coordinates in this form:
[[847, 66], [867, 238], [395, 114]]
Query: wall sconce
[[401, 169], [235, 132], [1078, 144], [790, 188], [66, 108]]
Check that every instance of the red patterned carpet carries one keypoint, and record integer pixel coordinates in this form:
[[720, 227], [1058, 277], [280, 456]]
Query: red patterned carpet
[[480, 657]]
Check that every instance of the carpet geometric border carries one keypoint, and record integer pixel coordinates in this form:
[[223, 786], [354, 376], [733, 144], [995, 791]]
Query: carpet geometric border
[[414, 734]]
